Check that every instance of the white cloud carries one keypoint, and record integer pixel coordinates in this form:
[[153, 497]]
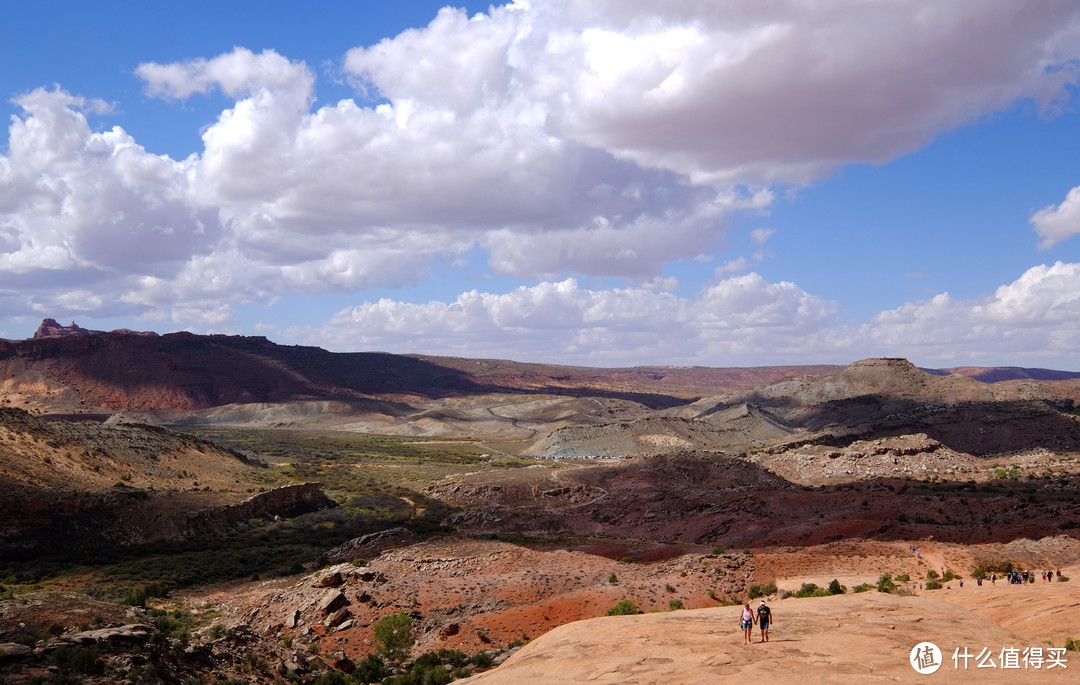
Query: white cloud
[[743, 320], [238, 73], [83, 210], [734, 266], [566, 138], [1058, 222], [782, 91], [561, 321], [1036, 317]]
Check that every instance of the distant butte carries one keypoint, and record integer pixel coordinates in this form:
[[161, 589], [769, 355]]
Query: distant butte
[[49, 328]]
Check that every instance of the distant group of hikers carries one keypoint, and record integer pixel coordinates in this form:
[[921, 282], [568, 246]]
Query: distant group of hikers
[[763, 619], [1021, 577]]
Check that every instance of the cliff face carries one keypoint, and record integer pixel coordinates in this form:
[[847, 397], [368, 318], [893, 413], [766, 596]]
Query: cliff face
[[287, 501], [182, 371]]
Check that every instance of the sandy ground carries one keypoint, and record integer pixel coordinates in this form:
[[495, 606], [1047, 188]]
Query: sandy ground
[[864, 637]]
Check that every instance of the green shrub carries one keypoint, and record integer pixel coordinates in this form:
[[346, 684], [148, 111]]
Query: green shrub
[[370, 669], [755, 591], [394, 636], [78, 660], [613, 579], [903, 578], [1072, 645], [835, 588], [949, 575], [1001, 567], [811, 590], [331, 678], [885, 583], [623, 608], [135, 597], [933, 584], [862, 587], [675, 605], [482, 660]]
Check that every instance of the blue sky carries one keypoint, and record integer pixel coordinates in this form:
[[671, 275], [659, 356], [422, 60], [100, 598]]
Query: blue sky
[[603, 183]]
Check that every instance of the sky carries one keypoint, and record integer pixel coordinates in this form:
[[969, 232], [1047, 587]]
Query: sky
[[586, 182]]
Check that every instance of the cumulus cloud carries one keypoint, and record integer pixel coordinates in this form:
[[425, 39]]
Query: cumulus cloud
[[562, 321], [1058, 222], [565, 138], [769, 92], [84, 210], [741, 320], [237, 73], [1035, 317]]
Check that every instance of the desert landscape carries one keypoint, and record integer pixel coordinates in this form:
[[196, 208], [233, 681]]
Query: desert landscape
[[184, 508]]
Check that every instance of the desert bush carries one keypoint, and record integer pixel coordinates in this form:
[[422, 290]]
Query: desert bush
[[613, 579], [932, 575], [394, 636], [331, 678], [1072, 645], [810, 590], [135, 597], [675, 605], [835, 588], [669, 587], [862, 587], [76, 661], [755, 591], [885, 583], [985, 569], [623, 607], [370, 669], [903, 578], [482, 660], [949, 575], [933, 585]]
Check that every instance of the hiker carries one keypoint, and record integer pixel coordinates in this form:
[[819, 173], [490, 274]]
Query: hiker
[[764, 619], [747, 624], [993, 579], [1049, 576]]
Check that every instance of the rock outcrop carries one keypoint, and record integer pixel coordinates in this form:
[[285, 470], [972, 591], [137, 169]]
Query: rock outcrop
[[287, 501], [371, 545]]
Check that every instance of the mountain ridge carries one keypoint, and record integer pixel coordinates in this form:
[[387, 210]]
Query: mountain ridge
[[68, 368]]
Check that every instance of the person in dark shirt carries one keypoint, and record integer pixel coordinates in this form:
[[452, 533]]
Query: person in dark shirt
[[764, 617]]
